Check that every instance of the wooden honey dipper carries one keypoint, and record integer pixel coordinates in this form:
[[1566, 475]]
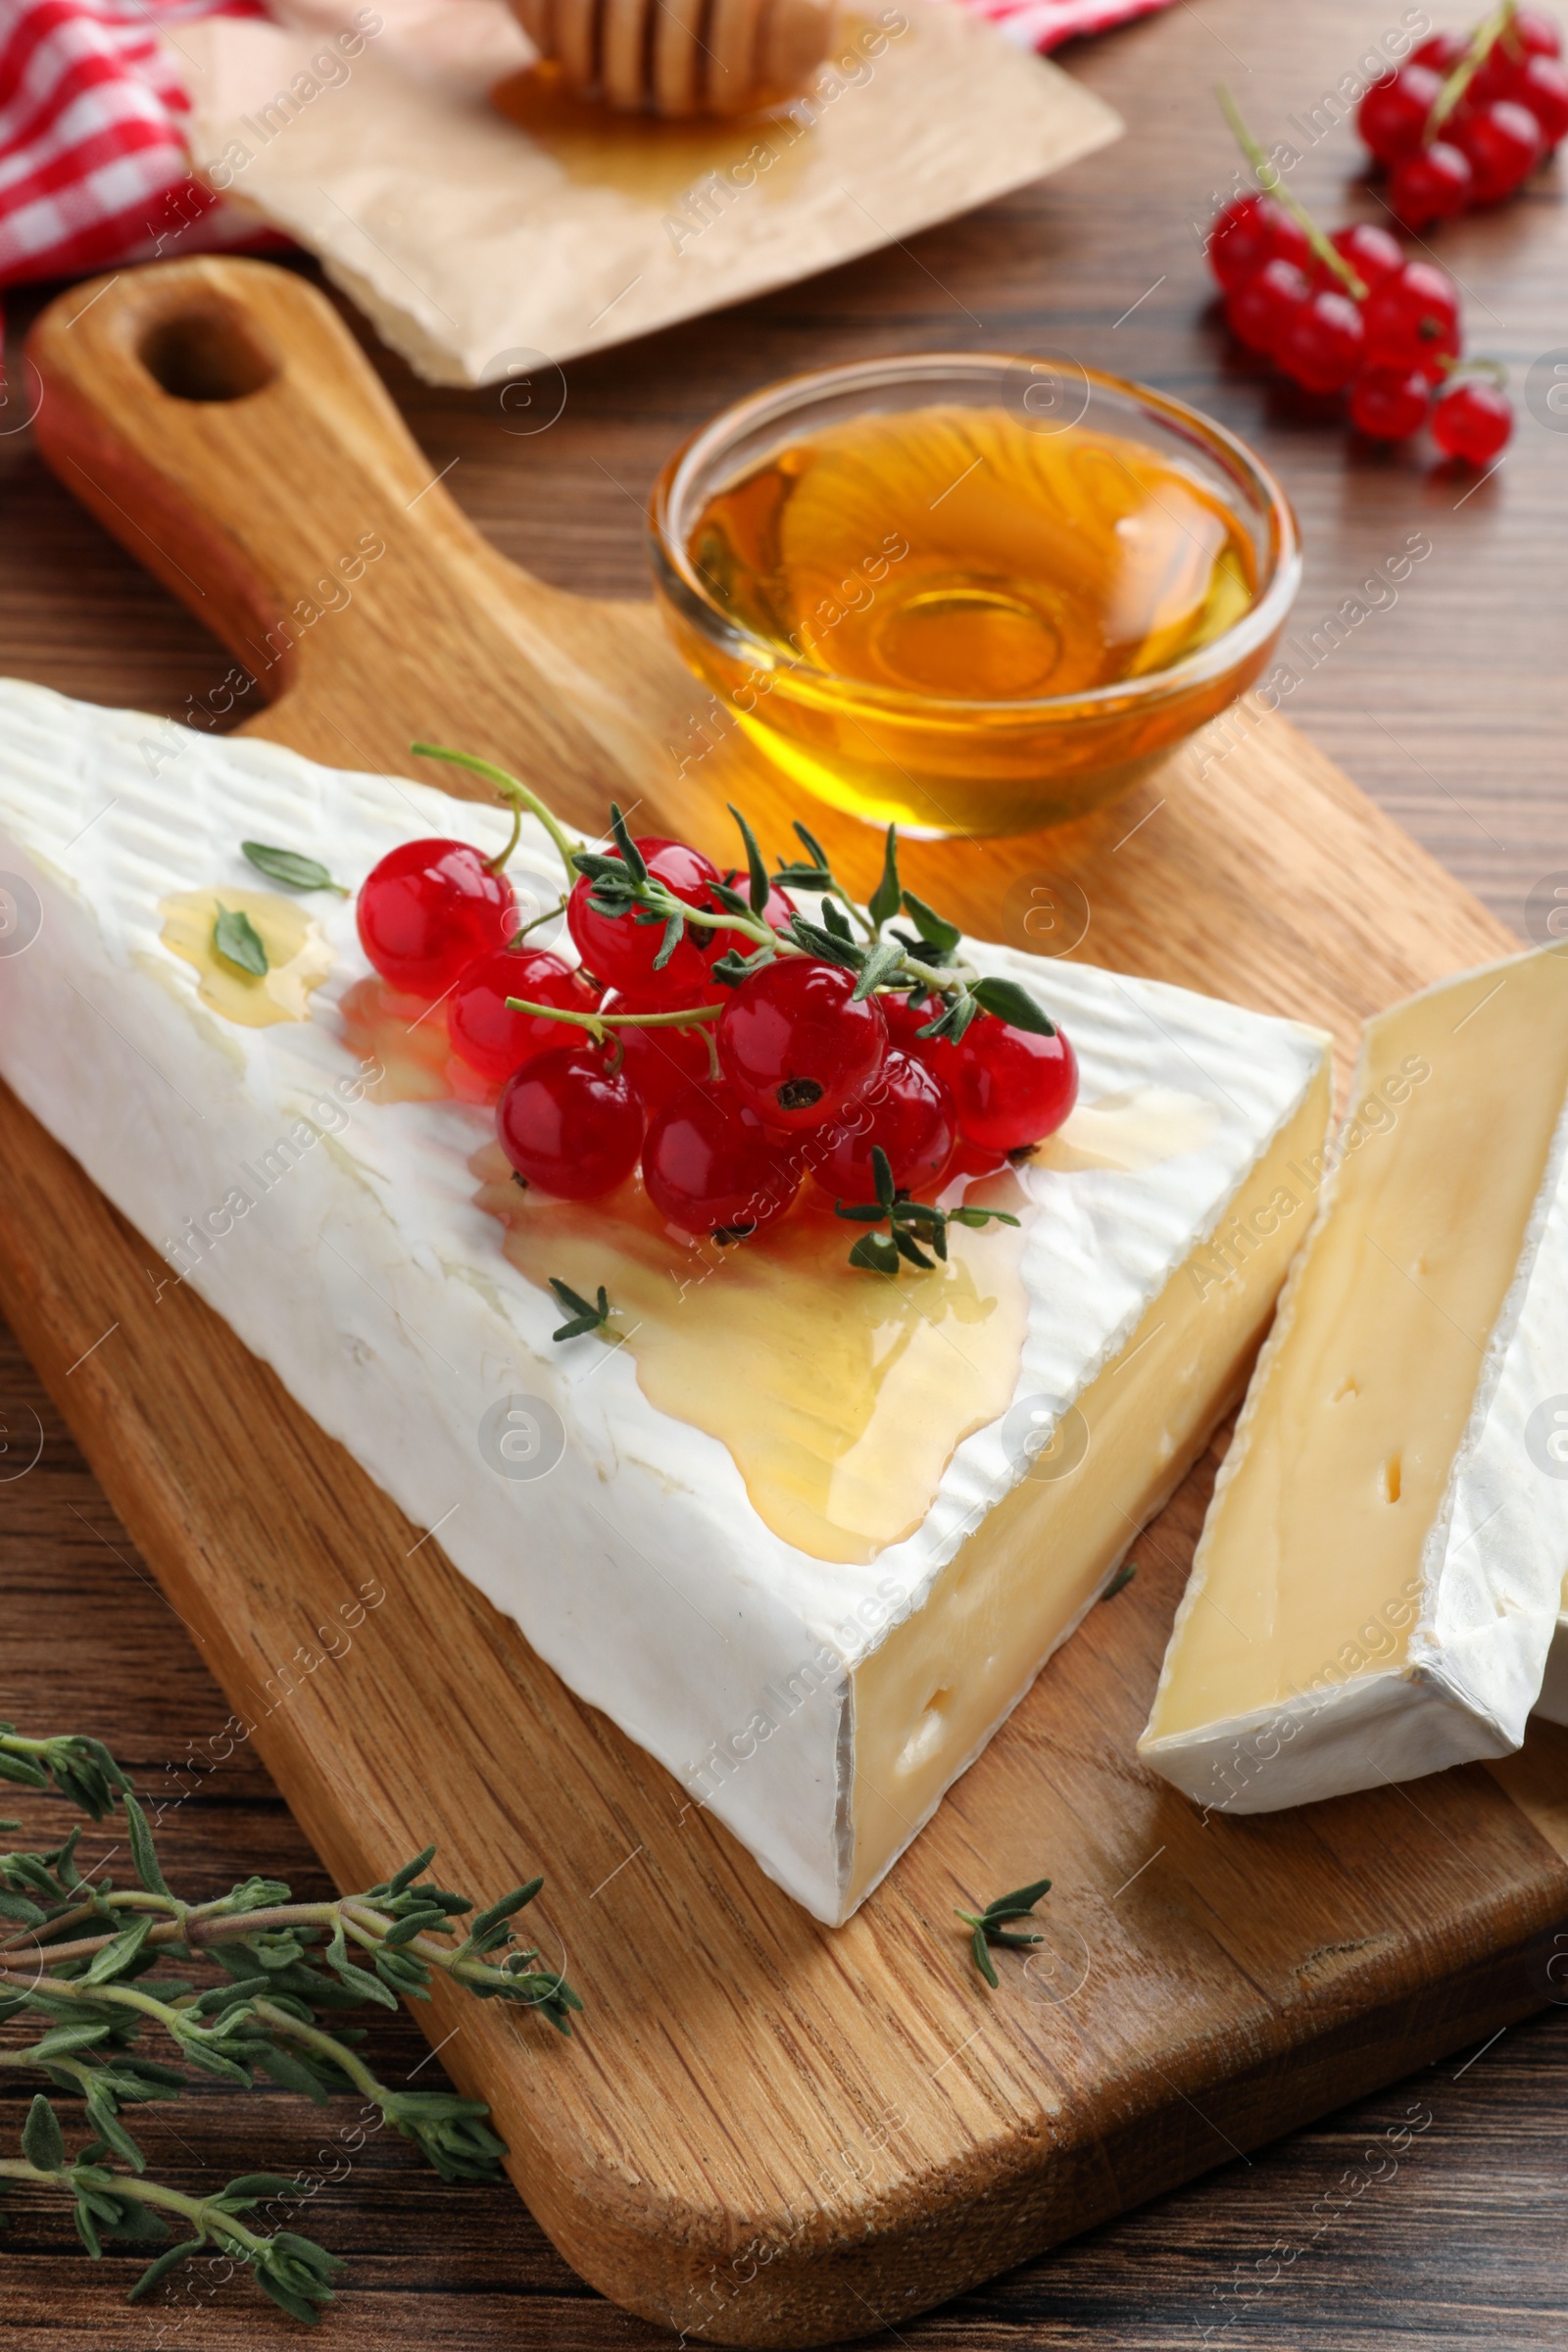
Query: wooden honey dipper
[[680, 57]]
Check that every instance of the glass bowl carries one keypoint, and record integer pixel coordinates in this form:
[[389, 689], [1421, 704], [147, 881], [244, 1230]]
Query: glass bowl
[[949, 762]]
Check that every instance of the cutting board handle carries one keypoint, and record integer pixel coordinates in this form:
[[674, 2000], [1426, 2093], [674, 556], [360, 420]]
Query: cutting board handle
[[218, 419]]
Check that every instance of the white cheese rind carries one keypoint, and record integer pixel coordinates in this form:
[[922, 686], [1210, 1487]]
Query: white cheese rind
[[370, 1281], [1490, 1569]]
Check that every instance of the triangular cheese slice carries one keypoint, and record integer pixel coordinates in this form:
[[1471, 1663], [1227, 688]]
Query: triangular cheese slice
[[1381, 1568], [696, 1537]]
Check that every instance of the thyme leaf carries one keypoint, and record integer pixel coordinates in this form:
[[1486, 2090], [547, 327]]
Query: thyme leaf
[[756, 869], [291, 867], [909, 1223], [237, 940], [1012, 1005], [586, 1315], [887, 898], [994, 1925]]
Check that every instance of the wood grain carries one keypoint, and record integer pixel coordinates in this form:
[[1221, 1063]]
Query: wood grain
[[1466, 672], [817, 2129]]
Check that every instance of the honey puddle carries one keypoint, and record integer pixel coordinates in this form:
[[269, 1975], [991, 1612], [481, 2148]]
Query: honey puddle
[[648, 159], [409, 1038], [298, 955], [840, 1394]]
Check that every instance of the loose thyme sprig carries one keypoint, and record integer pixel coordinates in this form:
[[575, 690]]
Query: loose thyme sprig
[[992, 1926], [586, 1315], [924, 962], [85, 1957], [905, 1218]]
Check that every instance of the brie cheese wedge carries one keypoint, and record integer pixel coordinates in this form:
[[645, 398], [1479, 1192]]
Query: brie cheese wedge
[[1381, 1569], [815, 1616], [1552, 1703]]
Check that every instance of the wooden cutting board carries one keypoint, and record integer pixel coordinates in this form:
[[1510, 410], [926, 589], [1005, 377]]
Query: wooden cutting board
[[765, 2131]]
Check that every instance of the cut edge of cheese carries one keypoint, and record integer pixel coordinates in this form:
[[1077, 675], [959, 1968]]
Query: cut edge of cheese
[[1470, 1673], [1552, 1703], [1028, 1576]]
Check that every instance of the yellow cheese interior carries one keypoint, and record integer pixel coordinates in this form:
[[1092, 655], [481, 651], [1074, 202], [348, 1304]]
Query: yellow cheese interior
[[1310, 1567], [929, 1696]]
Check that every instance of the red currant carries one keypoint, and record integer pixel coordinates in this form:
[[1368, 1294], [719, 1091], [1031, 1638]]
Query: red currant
[[1412, 321], [1372, 253], [710, 1166], [906, 1015], [1535, 33], [1442, 52], [620, 950], [973, 1159], [1473, 422], [1012, 1087], [795, 1046], [906, 1110], [1503, 142], [427, 909], [1260, 310], [660, 1062], [1389, 403], [777, 913], [568, 1126], [1543, 88], [1323, 343], [495, 1042], [1433, 184], [1252, 230], [1391, 117], [1529, 36]]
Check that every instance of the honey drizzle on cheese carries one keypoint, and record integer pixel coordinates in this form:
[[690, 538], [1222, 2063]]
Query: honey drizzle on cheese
[[841, 1396], [298, 954]]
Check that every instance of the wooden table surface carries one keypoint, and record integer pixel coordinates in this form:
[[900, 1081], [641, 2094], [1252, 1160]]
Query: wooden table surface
[[1443, 696]]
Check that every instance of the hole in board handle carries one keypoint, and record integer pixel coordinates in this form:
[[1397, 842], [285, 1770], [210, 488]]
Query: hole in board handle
[[209, 353]]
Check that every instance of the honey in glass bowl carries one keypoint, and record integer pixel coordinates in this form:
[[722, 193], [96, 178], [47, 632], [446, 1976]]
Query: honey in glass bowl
[[970, 595]]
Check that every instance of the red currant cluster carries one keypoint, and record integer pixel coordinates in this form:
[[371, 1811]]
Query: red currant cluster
[[1348, 312], [1469, 116], [726, 1043]]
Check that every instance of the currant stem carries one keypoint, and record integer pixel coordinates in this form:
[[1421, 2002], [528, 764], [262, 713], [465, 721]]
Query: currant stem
[[598, 1022], [549, 915], [1483, 41], [518, 796], [1476, 363], [1268, 178]]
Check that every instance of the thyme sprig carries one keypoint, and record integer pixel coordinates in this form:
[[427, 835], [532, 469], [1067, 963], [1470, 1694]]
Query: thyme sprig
[[586, 1315], [994, 1925], [924, 962], [86, 1957], [905, 1220]]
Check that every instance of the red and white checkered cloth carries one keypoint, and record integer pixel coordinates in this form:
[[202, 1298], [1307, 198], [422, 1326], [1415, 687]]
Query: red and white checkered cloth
[[93, 167], [1046, 24]]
